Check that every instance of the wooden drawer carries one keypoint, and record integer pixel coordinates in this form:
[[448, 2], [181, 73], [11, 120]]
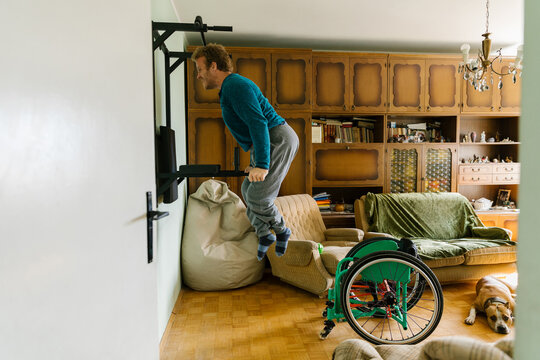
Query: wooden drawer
[[507, 168], [506, 178], [475, 169], [475, 179]]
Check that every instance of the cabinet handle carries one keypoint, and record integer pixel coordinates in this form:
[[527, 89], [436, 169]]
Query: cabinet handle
[[276, 105], [500, 108], [348, 148], [352, 107], [507, 179], [474, 170], [511, 169], [344, 107], [420, 108], [428, 108], [477, 179], [491, 108]]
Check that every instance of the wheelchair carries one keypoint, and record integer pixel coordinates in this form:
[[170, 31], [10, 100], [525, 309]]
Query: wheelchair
[[385, 292]]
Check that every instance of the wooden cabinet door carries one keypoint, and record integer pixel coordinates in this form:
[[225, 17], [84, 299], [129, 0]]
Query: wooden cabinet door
[[255, 66], [368, 76], [330, 83], [507, 99], [407, 79], [478, 101], [208, 142], [443, 86], [403, 168], [298, 179], [348, 165], [506, 221], [439, 168], [489, 219], [198, 96], [291, 81], [510, 222]]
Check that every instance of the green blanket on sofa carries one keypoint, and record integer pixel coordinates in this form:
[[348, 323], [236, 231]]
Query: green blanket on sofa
[[440, 224]]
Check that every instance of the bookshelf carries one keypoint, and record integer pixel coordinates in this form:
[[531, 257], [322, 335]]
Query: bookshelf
[[370, 122]]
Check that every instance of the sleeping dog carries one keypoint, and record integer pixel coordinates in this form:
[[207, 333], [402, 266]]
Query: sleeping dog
[[495, 298]]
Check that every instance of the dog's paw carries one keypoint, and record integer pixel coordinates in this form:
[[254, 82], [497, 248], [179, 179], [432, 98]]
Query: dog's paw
[[470, 320]]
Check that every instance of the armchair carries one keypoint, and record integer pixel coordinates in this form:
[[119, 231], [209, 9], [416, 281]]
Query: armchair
[[304, 265]]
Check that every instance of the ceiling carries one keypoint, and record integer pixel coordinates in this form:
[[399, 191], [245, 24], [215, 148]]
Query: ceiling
[[358, 25]]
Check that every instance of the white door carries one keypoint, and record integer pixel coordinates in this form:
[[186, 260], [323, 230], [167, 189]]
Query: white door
[[76, 159]]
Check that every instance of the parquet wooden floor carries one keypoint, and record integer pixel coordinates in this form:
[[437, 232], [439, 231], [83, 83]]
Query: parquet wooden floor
[[273, 320]]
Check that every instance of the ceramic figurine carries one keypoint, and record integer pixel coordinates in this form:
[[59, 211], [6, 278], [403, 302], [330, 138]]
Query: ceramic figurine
[[483, 137], [473, 136], [491, 140]]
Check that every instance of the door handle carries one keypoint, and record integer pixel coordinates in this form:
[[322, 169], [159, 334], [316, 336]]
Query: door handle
[[151, 215]]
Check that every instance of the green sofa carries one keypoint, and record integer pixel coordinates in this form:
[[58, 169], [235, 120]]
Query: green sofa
[[450, 238]]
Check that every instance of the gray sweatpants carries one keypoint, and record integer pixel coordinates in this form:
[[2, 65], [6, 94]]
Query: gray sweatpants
[[259, 196]]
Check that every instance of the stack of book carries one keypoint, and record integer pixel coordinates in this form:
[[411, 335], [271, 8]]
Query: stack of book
[[355, 130], [323, 201]]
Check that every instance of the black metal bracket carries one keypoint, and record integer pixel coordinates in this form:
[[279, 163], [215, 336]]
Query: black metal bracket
[[170, 28], [151, 215], [198, 170]]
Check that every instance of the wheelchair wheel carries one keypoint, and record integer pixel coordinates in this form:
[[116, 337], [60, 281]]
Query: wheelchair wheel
[[415, 287], [390, 297]]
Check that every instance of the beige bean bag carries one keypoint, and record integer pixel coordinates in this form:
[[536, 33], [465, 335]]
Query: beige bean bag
[[219, 246]]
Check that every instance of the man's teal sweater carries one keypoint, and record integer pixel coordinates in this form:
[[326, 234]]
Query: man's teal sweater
[[249, 116]]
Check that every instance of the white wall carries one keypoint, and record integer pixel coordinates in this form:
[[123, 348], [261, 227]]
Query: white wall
[[169, 229], [528, 299]]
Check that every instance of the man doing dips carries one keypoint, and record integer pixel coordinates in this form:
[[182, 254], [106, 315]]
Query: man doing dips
[[257, 127]]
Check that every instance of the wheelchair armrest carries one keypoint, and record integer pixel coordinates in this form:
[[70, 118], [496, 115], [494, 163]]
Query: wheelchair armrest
[[344, 234]]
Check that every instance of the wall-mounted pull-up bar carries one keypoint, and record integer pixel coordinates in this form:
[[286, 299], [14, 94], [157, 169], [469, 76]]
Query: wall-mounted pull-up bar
[[167, 175]]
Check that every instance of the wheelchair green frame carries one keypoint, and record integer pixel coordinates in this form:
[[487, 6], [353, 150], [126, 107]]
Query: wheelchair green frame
[[379, 274]]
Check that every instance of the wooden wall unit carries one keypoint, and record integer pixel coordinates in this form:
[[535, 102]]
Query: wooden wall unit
[[256, 66], [302, 83], [351, 164], [424, 84], [407, 84], [208, 141], [291, 80], [298, 179], [331, 83], [350, 83], [368, 81]]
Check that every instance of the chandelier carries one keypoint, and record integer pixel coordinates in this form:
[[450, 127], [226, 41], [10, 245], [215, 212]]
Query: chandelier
[[476, 70]]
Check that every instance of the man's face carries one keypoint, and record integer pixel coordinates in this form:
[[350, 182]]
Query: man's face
[[205, 74]]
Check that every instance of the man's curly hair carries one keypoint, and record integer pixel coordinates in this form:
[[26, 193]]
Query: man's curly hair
[[214, 53]]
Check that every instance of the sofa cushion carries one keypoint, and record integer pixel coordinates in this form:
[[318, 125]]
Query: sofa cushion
[[430, 249], [448, 261], [421, 215], [491, 255], [332, 255]]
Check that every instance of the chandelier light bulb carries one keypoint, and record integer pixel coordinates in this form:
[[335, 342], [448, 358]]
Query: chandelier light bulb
[[465, 51]]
